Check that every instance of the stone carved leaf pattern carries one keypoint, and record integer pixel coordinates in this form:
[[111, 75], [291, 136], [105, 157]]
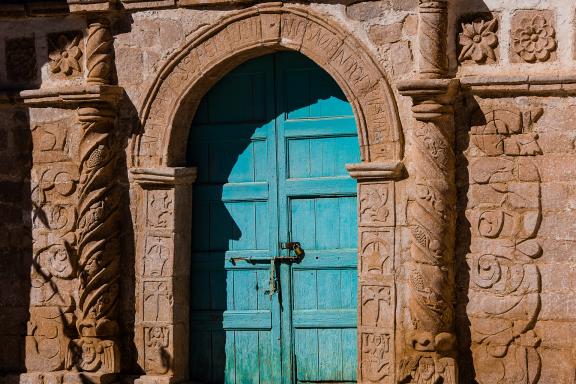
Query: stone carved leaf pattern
[[504, 298]]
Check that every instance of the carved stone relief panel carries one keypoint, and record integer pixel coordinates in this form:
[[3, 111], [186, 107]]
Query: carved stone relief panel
[[478, 40], [376, 288], [376, 204], [376, 362], [533, 36], [54, 181], [504, 289], [65, 53], [162, 265]]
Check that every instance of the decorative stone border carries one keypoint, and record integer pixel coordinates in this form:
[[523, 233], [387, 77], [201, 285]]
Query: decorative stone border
[[179, 86]]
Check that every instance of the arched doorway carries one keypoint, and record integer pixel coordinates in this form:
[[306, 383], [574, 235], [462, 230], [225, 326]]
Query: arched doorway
[[270, 142]]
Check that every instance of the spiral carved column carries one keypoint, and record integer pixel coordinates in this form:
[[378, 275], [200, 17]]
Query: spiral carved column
[[430, 352], [96, 349], [432, 30]]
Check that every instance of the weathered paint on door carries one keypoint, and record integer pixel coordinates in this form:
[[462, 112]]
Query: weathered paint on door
[[270, 142]]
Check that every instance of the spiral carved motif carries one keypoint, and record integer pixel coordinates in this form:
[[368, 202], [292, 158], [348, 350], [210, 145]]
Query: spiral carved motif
[[431, 218], [99, 53], [98, 248]]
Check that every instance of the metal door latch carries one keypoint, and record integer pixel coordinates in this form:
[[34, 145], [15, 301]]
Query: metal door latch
[[273, 282]]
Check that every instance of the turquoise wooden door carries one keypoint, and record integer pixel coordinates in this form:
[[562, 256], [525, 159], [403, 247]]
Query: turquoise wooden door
[[271, 141]]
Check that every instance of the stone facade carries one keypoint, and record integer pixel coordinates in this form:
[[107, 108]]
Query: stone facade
[[464, 111]]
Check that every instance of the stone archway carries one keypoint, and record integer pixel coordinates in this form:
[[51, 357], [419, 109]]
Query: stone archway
[[181, 83], [163, 188]]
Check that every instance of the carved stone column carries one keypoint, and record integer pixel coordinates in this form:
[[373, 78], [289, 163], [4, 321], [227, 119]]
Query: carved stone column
[[431, 218], [163, 217], [432, 27], [430, 350], [98, 253], [376, 269]]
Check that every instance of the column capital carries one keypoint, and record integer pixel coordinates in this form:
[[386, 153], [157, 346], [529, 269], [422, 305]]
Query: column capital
[[432, 98], [378, 170], [167, 176]]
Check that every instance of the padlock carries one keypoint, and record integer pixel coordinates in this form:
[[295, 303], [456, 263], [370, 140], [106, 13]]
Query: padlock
[[298, 250]]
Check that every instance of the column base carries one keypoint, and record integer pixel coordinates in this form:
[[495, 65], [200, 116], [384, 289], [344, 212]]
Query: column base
[[151, 379], [64, 377]]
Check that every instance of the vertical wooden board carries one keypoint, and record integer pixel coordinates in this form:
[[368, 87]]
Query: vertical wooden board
[[200, 285], [316, 159], [202, 115], [231, 161], [243, 168], [259, 95], [230, 350], [236, 99], [348, 222], [263, 287], [303, 226], [265, 354], [262, 225], [306, 351], [199, 156], [304, 285], [347, 152], [244, 217], [296, 94], [327, 99], [218, 356], [221, 226], [327, 223], [349, 278], [217, 289], [245, 296], [247, 357], [349, 354], [329, 147], [330, 354], [201, 355], [298, 158], [329, 289], [261, 164], [200, 225], [230, 290]]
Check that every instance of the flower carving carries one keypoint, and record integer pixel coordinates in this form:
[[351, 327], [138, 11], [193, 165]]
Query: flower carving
[[534, 39], [64, 57], [478, 40]]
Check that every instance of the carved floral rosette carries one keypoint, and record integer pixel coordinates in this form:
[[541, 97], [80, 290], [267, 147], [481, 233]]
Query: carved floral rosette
[[504, 294], [54, 180]]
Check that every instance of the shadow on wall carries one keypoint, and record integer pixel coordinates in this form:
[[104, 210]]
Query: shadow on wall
[[38, 200], [15, 236]]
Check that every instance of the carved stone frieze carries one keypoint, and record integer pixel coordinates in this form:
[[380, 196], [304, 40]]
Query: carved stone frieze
[[377, 281], [162, 262], [54, 179], [256, 30], [504, 295]]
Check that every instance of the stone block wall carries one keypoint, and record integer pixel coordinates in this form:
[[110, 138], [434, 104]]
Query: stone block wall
[[513, 277]]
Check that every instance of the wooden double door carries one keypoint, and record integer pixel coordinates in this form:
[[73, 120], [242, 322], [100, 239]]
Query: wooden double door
[[271, 141]]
